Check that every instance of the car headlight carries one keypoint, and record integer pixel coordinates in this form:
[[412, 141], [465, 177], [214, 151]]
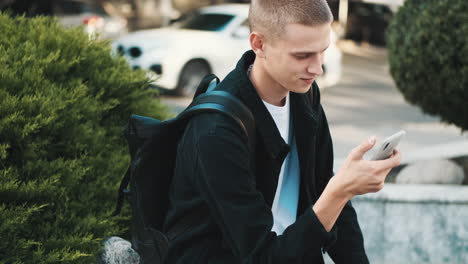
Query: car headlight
[[134, 52], [156, 68]]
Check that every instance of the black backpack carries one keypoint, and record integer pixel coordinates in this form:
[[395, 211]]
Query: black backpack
[[153, 146]]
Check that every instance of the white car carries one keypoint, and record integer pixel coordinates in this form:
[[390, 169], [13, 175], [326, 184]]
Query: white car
[[211, 40]]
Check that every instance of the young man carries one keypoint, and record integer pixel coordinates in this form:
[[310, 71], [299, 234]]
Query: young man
[[280, 203]]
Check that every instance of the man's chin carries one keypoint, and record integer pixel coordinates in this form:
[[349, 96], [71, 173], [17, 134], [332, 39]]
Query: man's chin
[[304, 88], [301, 90]]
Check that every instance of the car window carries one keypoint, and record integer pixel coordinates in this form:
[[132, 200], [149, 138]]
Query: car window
[[206, 22]]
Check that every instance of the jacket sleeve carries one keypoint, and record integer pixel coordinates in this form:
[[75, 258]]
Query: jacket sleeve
[[349, 246], [227, 185]]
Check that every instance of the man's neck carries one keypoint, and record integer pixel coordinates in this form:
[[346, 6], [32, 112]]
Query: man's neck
[[270, 91]]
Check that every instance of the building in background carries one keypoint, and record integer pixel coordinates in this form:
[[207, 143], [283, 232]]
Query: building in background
[[364, 21], [95, 16]]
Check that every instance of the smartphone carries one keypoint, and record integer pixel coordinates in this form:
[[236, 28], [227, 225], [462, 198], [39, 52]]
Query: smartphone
[[385, 149]]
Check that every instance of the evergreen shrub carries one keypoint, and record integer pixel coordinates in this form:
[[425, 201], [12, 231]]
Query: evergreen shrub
[[64, 100], [428, 55]]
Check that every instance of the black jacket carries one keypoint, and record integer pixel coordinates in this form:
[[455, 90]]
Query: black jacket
[[216, 183]]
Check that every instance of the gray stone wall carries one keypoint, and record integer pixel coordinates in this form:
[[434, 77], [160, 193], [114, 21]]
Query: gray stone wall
[[415, 224]]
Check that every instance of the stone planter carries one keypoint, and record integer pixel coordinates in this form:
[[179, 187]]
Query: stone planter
[[415, 224]]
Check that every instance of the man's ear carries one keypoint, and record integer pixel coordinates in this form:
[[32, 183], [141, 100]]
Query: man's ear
[[257, 43]]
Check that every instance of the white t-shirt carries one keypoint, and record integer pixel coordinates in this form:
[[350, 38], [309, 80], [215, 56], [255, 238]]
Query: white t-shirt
[[281, 116]]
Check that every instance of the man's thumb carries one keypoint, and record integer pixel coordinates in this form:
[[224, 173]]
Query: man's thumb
[[365, 146]]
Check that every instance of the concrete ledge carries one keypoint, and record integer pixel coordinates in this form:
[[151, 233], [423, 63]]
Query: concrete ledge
[[418, 193], [439, 151], [415, 224]]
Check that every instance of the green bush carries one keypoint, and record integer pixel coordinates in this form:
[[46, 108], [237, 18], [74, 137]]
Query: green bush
[[428, 54], [64, 100]]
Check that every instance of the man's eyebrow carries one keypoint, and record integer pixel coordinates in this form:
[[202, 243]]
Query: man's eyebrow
[[309, 52]]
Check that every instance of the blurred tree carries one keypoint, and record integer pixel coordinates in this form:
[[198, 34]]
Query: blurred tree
[[428, 55]]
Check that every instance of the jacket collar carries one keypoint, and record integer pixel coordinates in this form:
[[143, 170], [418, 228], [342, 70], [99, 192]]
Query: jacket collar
[[304, 117], [274, 143]]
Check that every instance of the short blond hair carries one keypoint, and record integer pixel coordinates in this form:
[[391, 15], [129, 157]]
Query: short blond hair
[[271, 16]]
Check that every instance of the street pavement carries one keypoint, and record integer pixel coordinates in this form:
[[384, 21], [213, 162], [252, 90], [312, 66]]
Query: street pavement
[[366, 102]]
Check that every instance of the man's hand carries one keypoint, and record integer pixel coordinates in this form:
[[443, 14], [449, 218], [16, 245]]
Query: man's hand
[[358, 176]]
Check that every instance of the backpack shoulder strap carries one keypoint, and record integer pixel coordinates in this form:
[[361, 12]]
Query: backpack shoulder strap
[[226, 103], [122, 191]]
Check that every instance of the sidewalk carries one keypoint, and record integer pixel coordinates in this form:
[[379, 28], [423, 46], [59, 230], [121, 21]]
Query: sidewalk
[[366, 102]]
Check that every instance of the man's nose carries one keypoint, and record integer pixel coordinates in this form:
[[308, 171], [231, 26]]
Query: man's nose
[[315, 65]]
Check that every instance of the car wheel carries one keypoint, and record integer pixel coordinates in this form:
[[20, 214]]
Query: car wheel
[[191, 75]]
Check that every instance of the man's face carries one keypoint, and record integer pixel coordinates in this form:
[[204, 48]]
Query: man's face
[[294, 60]]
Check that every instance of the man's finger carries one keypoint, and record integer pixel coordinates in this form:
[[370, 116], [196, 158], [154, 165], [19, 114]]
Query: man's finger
[[391, 162], [359, 151]]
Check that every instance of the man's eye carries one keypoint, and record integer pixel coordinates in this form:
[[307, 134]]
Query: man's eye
[[301, 57]]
